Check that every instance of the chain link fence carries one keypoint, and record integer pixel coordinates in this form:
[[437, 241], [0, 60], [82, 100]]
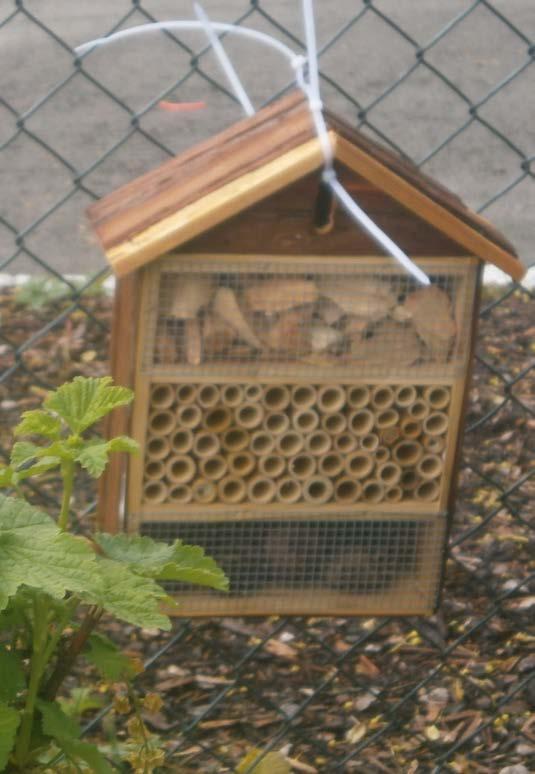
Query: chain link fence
[[449, 86]]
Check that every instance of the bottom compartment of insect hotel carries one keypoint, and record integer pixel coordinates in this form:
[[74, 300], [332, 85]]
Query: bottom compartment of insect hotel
[[340, 566]]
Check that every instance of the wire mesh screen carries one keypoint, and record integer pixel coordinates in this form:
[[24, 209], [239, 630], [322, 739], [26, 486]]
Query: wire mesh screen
[[450, 88]]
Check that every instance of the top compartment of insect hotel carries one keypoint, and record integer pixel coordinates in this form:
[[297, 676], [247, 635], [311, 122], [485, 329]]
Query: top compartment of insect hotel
[[299, 397]]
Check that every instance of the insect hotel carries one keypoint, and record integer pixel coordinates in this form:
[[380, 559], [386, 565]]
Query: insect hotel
[[299, 396]]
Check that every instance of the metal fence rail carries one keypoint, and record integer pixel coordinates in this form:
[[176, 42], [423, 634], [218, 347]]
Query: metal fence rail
[[73, 128]]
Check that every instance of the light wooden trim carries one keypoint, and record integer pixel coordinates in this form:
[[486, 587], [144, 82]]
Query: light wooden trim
[[216, 207], [455, 409], [421, 204]]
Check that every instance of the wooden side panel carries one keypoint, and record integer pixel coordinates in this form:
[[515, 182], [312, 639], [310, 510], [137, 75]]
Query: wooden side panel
[[122, 354]]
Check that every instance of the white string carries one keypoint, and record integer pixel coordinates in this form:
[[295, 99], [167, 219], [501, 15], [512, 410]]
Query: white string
[[224, 61]]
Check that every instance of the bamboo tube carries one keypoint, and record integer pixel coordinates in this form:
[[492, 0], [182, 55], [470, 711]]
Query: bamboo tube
[[387, 418], [389, 473], [155, 492], [318, 490], [217, 420], [253, 393], [288, 490], [206, 445], [302, 466], [232, 395], [304, 396], [436, 423], [418, 409], [369, 442], [276, 397], [162, 422], [180, 469], [359, 464], [203, 491], [345, 443], [358, 396], [331, 464], [158, 447], [261, 490], [241, 463], [276, 423], [262, 443], [189, 416], [272, 465], [181, 493], [234, 440], [214, 467], [347, 490], [382, 454], [437, 397], [290, 443], [427, 490], [373, 491], [409, 480], [162, 396], [410, 428], [407, 453], [361, 422], [331, 398], [389, 435], [382, 397], [208, 395], [394, 494], [430, 466], [434, 444], [305, 421], [249, 415], [318, 442], [185, 393], [154, 469], [405, 395], [334, 424], [231, 489], [182, 441]]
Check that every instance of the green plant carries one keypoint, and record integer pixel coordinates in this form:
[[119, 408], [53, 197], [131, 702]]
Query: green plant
[[56, 586], [39, 292]]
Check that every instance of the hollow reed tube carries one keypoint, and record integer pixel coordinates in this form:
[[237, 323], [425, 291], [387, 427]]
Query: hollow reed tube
[[235, 439], [434, 444], [276, 423], [154, 469], [162, 396], [318, 442], [359, 464], [389, 473], [382, 397], [438, 397], [330, 464], [253, 393], [361, 422], [436, 423], [241, 463], [358, 396], [394, 494], [405, 395], [262, 443], [303, 396], [382, 454], [389, 435], [290, 443], [427, 491], [217, 420], [347, 490], [302, 466], [410, 428], [261, 490], [206, 444], [373, 491], [345, 443], [369, 442], [155, 492], [208, 395], [249, 415], [158, 447], [185, 393], [276, 397], [182, 441], [409, 480], [180, 469], [272, 465], [232, 395], [331, 398], [418, 409], [407, 453], [231, 489], [305, 421], [430, 466], [335, 423], [189, 416], [318, 490], [180, 493], [288, 490], [203, 491], [213, 468], [162, 422], [386, 418]]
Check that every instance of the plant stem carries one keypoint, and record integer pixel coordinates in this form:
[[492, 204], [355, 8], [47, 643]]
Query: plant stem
[[67, 474]]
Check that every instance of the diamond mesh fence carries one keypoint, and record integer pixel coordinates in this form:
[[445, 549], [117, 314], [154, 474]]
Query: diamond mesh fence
[[450, 89]]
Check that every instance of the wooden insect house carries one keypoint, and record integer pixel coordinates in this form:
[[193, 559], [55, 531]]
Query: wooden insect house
[[299, 396]]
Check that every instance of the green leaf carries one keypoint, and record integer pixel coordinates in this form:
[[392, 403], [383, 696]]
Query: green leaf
[[94, 458], [39, 422], [271, 763], [6, 476], [111, 662], [128, 596], [25, 451], [191, 565], [84, 401], [75, 749], [34, 553], [80, 701], [56, 723], [9, 722], [12, 678], [43, 465], [122, 443]]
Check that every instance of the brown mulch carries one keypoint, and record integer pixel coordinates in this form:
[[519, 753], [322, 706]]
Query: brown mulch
[[477, 651]]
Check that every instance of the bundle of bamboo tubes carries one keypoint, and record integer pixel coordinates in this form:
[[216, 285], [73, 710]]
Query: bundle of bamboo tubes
[[265, 443]]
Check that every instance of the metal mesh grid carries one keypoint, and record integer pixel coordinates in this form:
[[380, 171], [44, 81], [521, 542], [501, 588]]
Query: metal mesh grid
[[470, 62], [268, 317]]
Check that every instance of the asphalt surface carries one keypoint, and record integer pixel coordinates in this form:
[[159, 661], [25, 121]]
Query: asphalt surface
[[81, 122]]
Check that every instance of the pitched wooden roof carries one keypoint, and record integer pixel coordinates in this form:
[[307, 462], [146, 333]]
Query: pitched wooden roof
[[257, 157]]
